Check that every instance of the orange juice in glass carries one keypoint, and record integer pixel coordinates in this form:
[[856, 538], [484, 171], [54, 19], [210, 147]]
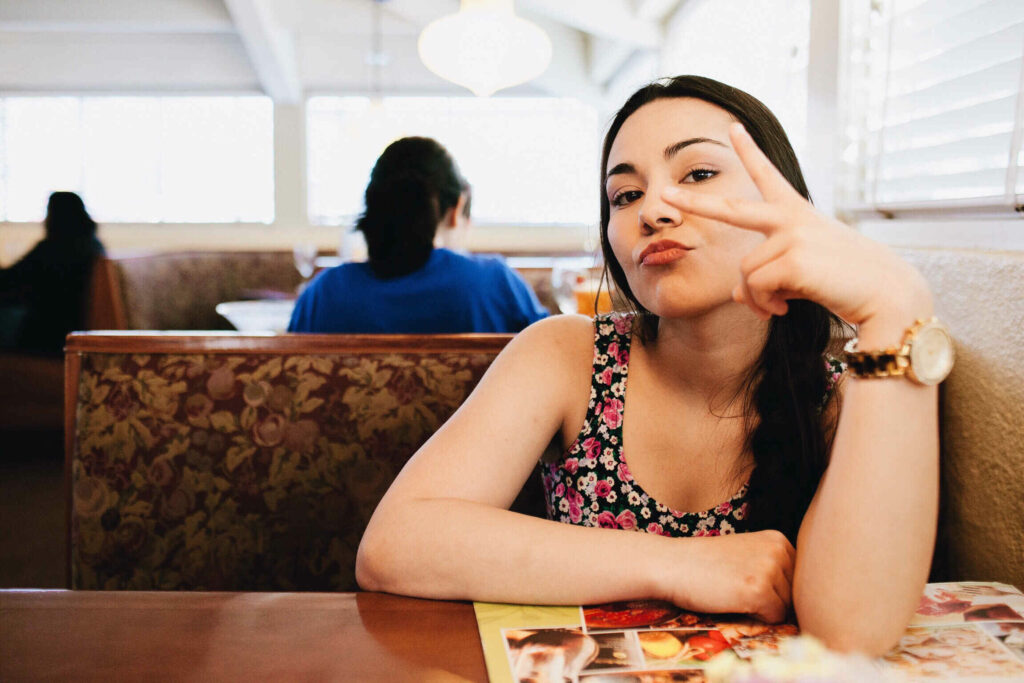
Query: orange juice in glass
[[587, 293]]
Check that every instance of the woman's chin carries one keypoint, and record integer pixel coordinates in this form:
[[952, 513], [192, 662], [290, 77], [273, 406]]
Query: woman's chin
[[685, 304]]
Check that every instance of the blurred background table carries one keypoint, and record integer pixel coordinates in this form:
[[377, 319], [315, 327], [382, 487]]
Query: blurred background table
[[114, 635]]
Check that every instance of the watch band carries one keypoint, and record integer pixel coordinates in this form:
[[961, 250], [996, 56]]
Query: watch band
[[891, 362], [925, 355]]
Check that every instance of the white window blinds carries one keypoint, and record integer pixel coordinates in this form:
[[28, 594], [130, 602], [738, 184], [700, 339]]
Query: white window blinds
[[934, 107]]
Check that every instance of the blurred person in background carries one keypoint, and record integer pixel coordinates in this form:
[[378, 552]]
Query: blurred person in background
[[408, 285], [43, 296]]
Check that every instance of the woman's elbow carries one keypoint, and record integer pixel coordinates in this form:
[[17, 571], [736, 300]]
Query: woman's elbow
[[871, 639], [371, 563]]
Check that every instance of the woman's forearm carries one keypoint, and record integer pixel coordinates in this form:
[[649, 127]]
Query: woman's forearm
[[865, 546], [456, 549]]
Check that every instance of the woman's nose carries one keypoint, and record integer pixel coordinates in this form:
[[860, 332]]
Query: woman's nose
[[656, 213]]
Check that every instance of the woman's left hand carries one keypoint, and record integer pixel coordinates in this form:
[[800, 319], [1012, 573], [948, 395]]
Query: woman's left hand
[[807, 255]]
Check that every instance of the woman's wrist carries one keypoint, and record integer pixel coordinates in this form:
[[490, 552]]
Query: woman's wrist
[[885, 329], [665, 562]]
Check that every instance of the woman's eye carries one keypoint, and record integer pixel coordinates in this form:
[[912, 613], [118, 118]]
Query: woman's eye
[[699, 175], [626, 197]]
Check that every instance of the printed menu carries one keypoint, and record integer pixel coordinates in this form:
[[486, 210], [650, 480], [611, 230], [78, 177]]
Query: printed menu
[[966, 631]]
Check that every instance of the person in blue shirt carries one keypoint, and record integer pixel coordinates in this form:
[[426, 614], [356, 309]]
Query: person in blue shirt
[[408, 285]]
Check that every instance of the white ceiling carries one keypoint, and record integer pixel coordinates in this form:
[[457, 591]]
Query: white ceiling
[[289, 48]]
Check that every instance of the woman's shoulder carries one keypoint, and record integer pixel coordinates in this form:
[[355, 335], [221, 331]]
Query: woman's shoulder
[[557, 353], [566, 332], [574, 333], [556, 343]]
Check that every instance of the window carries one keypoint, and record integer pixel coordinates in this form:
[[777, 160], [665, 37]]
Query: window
[[139, 159], [935, 107], [529, 160]]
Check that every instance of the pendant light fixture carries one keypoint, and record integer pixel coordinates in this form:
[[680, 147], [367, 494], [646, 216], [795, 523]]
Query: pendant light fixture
[[485, 47]]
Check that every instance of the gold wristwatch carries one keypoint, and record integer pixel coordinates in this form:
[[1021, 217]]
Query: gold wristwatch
[[925, 355]]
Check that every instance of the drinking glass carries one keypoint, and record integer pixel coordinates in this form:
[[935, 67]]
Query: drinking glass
[[565, 282], [305, 258]]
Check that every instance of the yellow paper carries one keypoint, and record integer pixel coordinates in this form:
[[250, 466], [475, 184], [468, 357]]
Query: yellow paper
[[491, 617]]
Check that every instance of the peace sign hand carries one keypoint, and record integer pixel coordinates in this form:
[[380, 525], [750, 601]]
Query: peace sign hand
[[807, 255]]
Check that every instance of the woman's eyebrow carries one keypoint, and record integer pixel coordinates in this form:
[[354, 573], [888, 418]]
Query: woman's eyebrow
[[670, 151], [677, 147], [619, 169]]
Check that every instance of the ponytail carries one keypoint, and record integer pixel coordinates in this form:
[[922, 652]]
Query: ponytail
[[412, 187]]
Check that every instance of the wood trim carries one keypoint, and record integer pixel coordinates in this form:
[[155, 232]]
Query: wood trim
[[102, 307], [117, 308], [236, 342], [72, 372]]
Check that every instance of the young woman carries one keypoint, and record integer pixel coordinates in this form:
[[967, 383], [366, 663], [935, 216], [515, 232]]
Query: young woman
[[731, 409], [416, 193]]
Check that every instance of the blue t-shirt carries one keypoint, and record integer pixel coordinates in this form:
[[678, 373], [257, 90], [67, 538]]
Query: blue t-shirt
[[452, 293]]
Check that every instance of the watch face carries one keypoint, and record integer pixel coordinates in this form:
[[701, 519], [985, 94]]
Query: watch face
[[931, 355]]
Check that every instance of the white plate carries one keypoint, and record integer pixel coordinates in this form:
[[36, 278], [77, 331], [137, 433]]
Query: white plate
[[257, 316]]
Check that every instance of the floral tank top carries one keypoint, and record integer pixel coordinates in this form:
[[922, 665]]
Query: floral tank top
[[591, 484]]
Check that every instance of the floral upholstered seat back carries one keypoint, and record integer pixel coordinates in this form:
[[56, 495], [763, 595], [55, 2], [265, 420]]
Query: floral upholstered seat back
[[244, 472]]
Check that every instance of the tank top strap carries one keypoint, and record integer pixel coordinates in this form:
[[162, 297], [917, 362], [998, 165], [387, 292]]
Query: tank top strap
[[612, 337]]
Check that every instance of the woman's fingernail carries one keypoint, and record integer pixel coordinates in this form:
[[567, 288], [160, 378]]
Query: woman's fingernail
[[670, 192], [739, 128]]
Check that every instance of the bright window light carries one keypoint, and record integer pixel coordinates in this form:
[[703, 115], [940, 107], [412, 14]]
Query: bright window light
[[529, 160], [139, 159]]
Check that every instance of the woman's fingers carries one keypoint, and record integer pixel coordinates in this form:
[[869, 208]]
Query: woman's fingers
[[788, 559], [742, 213], [782, 578], [769, 180], [763, 307], [766, 252], [774, 603], [784, 591], [775, 281], [742, 295]]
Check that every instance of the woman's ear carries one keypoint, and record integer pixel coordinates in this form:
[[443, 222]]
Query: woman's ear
[[451, 218]]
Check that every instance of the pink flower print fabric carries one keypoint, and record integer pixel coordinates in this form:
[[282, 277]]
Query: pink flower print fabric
[[591, 484]]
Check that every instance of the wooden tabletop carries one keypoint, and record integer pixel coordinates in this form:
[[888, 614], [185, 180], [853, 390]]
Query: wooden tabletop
[[86, 635]]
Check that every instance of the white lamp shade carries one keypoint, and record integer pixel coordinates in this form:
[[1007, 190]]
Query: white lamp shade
[[485, 47]]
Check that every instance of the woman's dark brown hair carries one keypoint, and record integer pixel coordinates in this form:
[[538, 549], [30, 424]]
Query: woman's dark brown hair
[[66, 217], [788, 431], [413, 185]]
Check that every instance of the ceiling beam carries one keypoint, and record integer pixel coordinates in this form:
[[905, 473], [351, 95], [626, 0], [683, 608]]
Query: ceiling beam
[[114, 16], [269, 47], [612, 19]]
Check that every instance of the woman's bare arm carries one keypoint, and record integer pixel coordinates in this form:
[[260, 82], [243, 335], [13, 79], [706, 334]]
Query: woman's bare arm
[[443, 529], [865, 546]]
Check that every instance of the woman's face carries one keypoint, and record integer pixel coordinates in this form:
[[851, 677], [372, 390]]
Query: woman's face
[[677, 264]]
